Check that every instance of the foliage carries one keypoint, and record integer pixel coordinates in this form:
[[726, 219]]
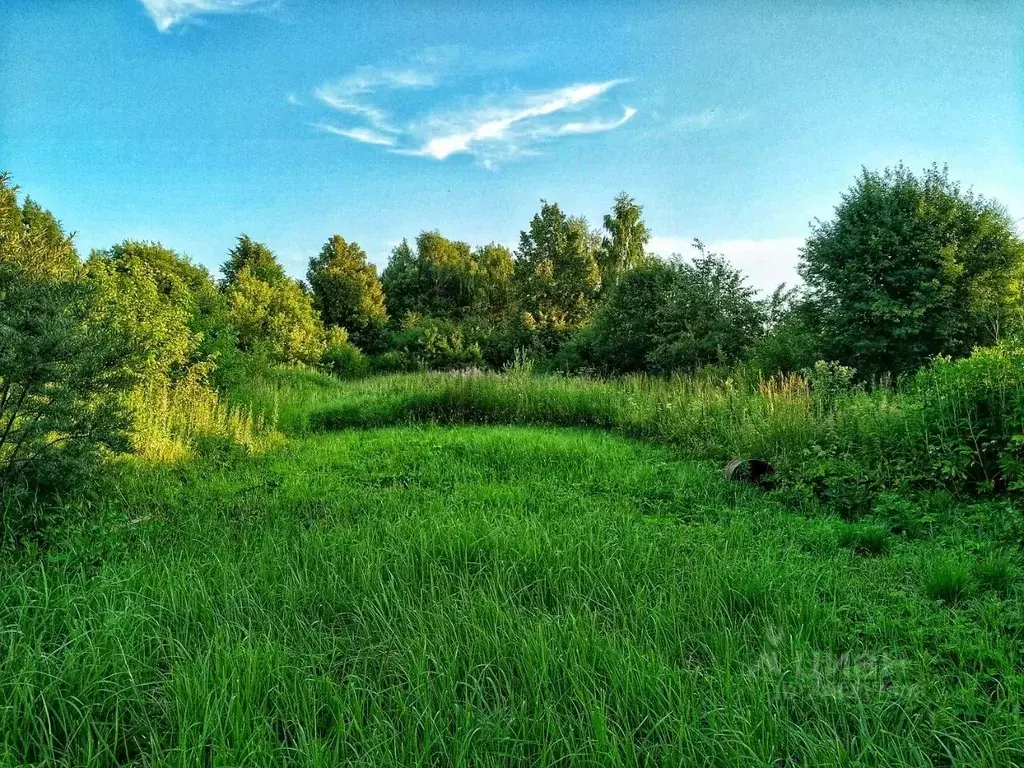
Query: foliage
[[556, 277], [629, 326], [342, 358], [33, 240], [912, 267], [61, 363], [675, 316], [975, 411], [152, 295], [271, 315], [429, 343], [400, 281], [790, 341], [259, 260], [438, 280], [347, 293], [625, 246], [710, 316], [494, 299], [61, 375]]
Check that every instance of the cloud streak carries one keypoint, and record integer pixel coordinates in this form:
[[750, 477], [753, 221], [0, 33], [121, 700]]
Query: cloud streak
[[385, 111], [363, 135], [169, 13], [503, 125]]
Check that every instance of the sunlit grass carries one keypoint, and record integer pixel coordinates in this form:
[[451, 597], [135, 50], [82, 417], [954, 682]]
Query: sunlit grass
[[489, 596]]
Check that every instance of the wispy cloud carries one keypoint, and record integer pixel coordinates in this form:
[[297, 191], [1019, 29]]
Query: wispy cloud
[[292, 99], [766, 262], [364, 135], [517, 125], [595, 126], [168, 13], [354, 92], [492, 126]]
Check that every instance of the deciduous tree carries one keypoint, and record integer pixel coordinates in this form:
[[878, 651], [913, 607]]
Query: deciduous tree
[[910, 267], [347, 292]]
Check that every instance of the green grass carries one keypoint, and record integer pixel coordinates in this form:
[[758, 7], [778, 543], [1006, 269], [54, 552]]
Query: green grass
[[488, 595], [956, 427]]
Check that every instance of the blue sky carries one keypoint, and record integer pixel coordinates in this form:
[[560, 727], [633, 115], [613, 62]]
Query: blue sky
[[191, 121]]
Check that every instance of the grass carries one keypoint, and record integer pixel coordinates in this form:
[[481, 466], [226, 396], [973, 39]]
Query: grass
[[955, 427], [489, 595]]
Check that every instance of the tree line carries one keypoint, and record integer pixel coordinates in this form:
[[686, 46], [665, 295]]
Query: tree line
[[910, 266]]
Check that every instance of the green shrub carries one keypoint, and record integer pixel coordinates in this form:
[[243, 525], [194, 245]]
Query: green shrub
[[392, 361], [62, 364], [972, 417], [342, 358], [438, 345]]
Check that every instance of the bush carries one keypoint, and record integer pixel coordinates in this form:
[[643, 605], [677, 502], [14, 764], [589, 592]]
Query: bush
[[62, 365], [431, 344], [669, 317], [342, 358], [61, 378], [972, 414], [911, 267]]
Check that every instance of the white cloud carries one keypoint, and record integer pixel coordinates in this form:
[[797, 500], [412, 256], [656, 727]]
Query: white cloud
[[167, 13], [501, 125], [350, 93], [766, 263], [292, 99], [492, 127], [364, 135], [595, 126]]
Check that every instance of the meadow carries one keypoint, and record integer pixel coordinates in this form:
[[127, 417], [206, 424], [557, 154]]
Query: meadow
[[473, 512], [512, 570]]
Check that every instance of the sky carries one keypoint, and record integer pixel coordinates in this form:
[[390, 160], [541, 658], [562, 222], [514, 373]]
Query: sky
[[191, 121]]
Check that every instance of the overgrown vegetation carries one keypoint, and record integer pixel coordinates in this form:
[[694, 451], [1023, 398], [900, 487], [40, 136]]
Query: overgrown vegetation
[[243, 522], [955, 427], [500, 596]]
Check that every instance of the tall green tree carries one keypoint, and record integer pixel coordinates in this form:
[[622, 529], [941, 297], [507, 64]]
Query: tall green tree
[[347, 292], [910, 267], [270, 313], [493, 294], [165, 301], [446, 276], [400, 281], [256, 257], [35, 241], [624, 247], [556, 273], [439, 280], [150, 310]]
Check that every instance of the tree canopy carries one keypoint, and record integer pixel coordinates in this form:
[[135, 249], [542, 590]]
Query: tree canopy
[[910, 267], [347, 292], [556, 275]]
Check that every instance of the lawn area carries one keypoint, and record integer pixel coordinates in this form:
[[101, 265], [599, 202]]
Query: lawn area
[[495, 595]]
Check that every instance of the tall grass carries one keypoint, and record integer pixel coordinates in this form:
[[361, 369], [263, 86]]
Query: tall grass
[[495, 597], [956, 426], [169, 422]]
